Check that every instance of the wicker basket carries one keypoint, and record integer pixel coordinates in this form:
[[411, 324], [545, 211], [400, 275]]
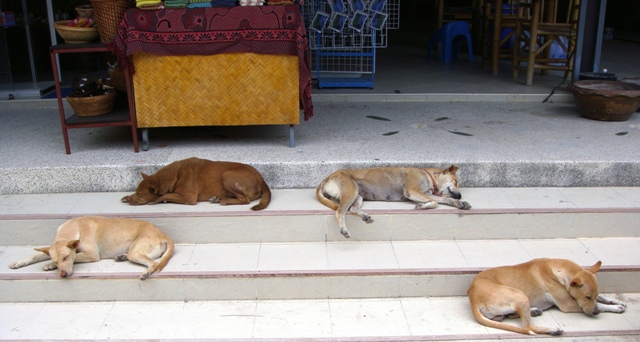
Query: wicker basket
[[75, 35], [117, 78], [85, 11], [108, 15], [92, 105]]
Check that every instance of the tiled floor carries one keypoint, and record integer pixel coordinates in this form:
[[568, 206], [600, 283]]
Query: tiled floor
[[361, 319]]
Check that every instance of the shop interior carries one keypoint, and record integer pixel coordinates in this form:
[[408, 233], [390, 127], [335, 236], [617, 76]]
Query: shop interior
[[400, 67]]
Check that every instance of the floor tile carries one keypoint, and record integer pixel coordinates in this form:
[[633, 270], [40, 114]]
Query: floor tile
[[484, 253], [577, 321], [537, 198], [630, 194], [615, 251], [368, 317], [131, 320], [17, 318], [81, 320], [441, 316], [428, 254], [225, 257], [596, 198], [219, 319], [355, 255], [295, 256], [570, 249], [292, 319], [486, 198]]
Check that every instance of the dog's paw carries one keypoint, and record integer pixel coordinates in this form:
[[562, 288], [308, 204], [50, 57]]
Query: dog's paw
[[620, 308], [144, 276], [50, 266], [125, 199], [426, 205], [464, 205], [17, 264], [122, 257], [556, 332], [214, 199], [367, 219], [536, 312], [345, 233]]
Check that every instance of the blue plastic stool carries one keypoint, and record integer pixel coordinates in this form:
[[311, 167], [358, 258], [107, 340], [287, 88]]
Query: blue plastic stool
[[449, 36]]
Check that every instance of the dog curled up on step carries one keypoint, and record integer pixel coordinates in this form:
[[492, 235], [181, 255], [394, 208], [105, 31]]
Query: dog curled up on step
[[346, 189], [92, 238], [527, 289], [194, 180]]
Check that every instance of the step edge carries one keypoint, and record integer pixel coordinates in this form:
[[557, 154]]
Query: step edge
[[444, 211], [277, 273]]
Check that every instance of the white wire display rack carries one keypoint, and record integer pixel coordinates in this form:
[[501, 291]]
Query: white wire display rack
[[344, 36]]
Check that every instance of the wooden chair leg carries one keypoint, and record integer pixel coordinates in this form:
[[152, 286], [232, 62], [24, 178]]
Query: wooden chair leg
[[495, 47]]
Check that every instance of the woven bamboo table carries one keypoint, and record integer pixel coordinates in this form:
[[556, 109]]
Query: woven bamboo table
[[216, 90], [233, 66]]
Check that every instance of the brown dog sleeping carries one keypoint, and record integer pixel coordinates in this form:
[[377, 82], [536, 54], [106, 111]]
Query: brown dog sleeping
[[195, 180]]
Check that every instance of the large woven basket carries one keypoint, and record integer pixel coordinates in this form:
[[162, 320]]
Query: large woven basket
[[75, 35], [92, 105], [108, 15]]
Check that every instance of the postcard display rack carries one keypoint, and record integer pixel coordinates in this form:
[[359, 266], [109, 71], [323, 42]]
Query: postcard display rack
[[344, 36]]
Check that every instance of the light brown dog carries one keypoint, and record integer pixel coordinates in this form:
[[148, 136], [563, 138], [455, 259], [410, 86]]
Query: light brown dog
[[193, 180], [91, 238], [525, 290], [346, 189]]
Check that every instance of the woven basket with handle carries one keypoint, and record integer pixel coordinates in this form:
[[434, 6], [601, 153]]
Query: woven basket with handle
[[108, 15]]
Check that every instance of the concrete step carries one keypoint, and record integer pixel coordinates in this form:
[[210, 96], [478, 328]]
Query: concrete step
[[293, 250], [295, 215], [374, 319], [338, 270], [286, 274]]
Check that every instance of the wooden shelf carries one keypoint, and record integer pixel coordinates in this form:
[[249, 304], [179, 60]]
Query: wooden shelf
[[123, 114]]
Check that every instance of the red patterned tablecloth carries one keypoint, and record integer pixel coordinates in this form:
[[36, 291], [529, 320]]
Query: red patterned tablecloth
[[206, 31]]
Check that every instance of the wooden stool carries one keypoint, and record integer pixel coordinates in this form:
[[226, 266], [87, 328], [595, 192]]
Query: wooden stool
[[498, 28], [537, 28]]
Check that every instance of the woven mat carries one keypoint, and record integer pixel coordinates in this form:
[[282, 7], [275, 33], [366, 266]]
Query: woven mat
[[216, 90]]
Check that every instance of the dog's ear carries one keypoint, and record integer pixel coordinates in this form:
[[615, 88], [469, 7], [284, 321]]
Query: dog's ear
[[73, 244], [144, 175], [44, 250], [451, 169], [593, 269], [576, 282], [153, 189]]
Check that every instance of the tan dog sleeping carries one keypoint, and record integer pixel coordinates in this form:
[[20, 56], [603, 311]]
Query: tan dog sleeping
[[194, 180], [346, 189], [525, 290], [91, 238]]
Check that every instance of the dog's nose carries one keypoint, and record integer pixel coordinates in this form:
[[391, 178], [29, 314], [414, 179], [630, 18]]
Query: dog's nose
[[63, 274]]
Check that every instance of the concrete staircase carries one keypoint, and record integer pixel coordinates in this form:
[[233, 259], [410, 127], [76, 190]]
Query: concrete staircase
[[285, 271]]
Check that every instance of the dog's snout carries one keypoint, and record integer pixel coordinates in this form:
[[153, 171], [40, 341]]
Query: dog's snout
[[63, 274], [596, 312]]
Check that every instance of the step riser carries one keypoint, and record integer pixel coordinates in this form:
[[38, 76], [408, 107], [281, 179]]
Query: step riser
[[309, 175], [262, 288], [429, 225]]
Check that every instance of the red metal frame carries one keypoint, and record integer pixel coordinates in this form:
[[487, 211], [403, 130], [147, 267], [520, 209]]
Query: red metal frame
[[97, 47]]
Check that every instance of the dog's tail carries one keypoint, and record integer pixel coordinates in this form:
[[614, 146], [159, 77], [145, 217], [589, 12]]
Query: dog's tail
[[323, 199], [266, 197], [498, 325], [166, 256]]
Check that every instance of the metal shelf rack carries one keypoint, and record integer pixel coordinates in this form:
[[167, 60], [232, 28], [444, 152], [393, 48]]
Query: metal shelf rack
[[344, 36]]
